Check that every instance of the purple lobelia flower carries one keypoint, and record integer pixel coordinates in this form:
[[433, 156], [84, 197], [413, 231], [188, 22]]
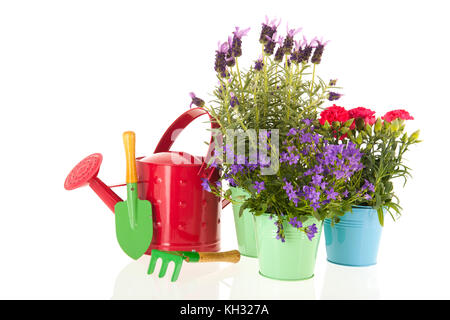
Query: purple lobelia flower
[[259, 186], [369, 186], [289, 41], [236, 44], [196, 100], [280, 231], [331, 194], [295, 223], [259, 64], [333, 96], [205, 184], [220, 64], [367, 197], [311, 231], [233, 100], [345, 193], [320, 46], [268, 29]]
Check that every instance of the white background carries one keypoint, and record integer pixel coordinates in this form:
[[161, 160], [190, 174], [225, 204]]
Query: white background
[[75, 74]]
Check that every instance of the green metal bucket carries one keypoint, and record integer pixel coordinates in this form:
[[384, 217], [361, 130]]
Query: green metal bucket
[[245, 224], [294, 259]]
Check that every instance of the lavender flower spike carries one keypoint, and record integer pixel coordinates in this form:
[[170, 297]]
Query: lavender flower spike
[[233, 100], [220, 64], [268, 29], [240, 33], [289, 41], [196, 100], [307, 50], [236, 44], [320, 46], [259, 64], [270, 44], [332, 96]]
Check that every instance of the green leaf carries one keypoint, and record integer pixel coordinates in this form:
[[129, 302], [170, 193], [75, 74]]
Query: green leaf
[[381, 216]]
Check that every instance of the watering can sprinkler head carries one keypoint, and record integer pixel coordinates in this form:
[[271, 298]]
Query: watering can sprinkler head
[[85, 173]]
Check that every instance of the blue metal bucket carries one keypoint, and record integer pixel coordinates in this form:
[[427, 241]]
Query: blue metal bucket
[[355, 239]]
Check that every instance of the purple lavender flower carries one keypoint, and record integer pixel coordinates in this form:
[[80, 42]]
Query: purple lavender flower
[[311, 231], [205, 184], [296, 55], [332, 82], [268, 29], [220, 63], [306, 51], [320, 46], [289, 41], [259, 64], [236, 44], [279, 54], [333, 96], [269, 47], [196, 100], [259, 186], [233, 100]]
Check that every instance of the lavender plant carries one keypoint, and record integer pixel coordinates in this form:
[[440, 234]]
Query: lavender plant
[[279, 90]]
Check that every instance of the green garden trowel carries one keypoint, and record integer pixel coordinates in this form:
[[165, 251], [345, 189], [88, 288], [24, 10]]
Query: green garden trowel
[[134, 224]]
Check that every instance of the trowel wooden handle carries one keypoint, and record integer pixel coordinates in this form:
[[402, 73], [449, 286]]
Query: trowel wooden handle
[[129, 141], [229, 256]]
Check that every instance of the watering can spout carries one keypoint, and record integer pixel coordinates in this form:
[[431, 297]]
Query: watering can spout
[[85, 172], [109, 197]]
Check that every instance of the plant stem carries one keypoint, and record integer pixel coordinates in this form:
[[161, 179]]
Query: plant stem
[[240, 81], [266, 88]]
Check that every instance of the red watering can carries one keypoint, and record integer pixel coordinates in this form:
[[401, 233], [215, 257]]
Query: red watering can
[[185, 216]]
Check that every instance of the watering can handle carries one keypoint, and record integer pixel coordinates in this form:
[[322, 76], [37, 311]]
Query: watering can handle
[[171, 134]]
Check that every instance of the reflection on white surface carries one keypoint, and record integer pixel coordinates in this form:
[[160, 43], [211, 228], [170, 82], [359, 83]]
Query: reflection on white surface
[[350, 282], [247, 283], [133, 282], [207, 281]]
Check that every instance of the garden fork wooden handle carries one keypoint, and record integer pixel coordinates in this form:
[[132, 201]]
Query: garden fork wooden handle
[[228, 256]]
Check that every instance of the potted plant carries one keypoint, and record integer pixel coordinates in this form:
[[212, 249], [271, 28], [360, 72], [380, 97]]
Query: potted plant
[[293, 190], [353, 239], [279, 90]]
